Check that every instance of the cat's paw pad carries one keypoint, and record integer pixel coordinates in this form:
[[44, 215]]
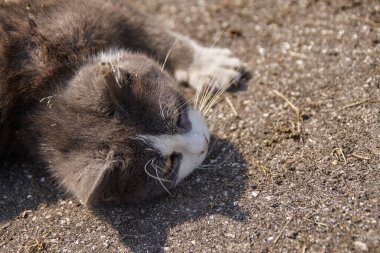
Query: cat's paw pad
[[212, 66]]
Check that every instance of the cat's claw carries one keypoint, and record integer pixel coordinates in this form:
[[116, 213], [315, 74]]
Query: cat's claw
[[212, 66]]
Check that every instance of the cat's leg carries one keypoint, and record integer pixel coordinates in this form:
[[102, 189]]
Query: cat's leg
[[194, 64], [207, 65], [186, 59]]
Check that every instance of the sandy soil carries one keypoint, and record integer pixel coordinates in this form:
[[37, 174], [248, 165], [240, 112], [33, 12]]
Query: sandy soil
[[278, 180]]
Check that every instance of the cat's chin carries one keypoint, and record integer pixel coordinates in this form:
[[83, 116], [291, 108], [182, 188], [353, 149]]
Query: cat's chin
[[192, 146], [188, 164]]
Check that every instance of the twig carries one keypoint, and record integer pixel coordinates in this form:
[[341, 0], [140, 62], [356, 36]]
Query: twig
[[348, 187], [365, 20], [294, 108], [318, 223], [295, 54], [360, 156], [231, 105], [359, 103], [283, 229], [341, 152]]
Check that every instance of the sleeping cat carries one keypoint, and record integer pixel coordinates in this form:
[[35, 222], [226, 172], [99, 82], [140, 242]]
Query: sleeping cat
[[89, 89]]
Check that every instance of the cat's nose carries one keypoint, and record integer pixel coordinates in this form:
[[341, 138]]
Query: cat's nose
[[205, 146], [194, 143], [207, 139]]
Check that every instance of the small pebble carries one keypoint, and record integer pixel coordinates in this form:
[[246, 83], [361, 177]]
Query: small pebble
[[360, 246], [255, 193]]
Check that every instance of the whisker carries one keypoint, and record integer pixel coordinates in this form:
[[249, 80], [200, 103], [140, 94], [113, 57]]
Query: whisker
[[208, 93], [202, 93], [167, 111], [220, 36], [197, 94], [211, 149], [186, 103], [146, 170], [153, 176], [213, 116], [209, 166], [151, 150], [161, 109], [213, 97], [214, 111], [217, 95], [212, 126], [183, 110], [156, 168], [171, 104], [159, 179], [167, 55]]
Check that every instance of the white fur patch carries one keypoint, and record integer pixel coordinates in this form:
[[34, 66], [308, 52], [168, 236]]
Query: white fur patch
[[192, 145], [111, 55], [211, 65]]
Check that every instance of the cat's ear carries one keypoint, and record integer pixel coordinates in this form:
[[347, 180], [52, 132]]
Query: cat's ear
[[116, 77], [96, 181], [118, 82]]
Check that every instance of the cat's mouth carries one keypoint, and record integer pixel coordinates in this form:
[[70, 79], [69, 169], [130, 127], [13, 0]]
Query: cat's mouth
[[172, 165]]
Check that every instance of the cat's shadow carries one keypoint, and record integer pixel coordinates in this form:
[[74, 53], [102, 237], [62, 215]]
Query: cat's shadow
[[23, 187], [215, 189]]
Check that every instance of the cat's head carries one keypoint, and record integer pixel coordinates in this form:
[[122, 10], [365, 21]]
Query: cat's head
[[121, 131]]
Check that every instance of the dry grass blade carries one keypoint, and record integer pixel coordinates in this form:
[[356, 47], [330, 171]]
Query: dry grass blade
[[361, 156], [365, 20], [283, 229], [231, 105], [316, 222], [295, 109], [370, 100], [339, 151]]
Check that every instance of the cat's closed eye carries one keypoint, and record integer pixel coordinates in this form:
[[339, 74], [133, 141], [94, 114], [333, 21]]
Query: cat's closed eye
[[182, 120]]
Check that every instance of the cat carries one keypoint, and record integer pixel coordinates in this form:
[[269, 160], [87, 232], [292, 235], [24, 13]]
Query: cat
[[89, 89]]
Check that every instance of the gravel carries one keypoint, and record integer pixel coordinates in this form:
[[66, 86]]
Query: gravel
[[268, 188]]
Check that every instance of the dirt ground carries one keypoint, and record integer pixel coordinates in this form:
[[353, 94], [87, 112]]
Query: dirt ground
[[296, 170]]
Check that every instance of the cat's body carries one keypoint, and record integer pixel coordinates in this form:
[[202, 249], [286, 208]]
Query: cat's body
[[78, 92]]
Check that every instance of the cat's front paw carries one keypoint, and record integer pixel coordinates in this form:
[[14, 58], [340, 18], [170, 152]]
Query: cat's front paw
[[212, 66]]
